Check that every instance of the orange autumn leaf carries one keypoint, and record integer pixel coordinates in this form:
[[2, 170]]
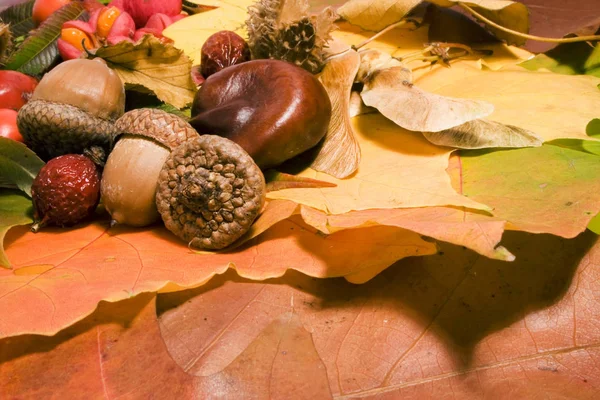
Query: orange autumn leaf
[[92, 263], [452, 324]]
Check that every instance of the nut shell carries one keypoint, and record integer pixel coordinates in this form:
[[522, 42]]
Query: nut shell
[[166, 128], [52, 129], [209, 192], [86, 84]]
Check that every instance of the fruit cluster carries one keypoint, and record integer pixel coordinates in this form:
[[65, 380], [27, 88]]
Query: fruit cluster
[[121, 20], [202, 177]]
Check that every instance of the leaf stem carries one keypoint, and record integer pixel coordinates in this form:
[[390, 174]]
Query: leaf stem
[[382, 32], [527, 36]]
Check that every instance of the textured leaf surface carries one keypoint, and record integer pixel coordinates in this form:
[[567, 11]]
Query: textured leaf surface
[[339, 154], [387, 176], [38, 52], [417, 110], [15, 209], [376, 15], [481, 134], [92, 264], [551, 105], [454, 325], [509, 14], [156, 66], [548, 189], [570, 59], [557, 18], [19, 18]]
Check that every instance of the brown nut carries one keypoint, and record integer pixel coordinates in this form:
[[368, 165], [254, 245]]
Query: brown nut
[[72, 108], [144, 140], [273, 109], [221, 50], [209, 192]]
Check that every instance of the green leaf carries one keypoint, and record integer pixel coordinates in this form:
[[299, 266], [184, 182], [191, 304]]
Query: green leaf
[[594, 225], [15, 209], [19, 18], [39, 51], [569, 59], [18, 164], [547, 189], [593, 128]]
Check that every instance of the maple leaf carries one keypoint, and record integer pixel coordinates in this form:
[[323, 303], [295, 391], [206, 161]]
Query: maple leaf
[[451, 323]]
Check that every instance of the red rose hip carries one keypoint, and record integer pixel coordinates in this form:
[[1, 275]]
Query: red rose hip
[[65, 191]]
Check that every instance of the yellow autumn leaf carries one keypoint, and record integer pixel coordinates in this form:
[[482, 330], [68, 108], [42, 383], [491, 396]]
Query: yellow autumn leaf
[[376, 14], [190, 33], [551, 105], [400, 169]]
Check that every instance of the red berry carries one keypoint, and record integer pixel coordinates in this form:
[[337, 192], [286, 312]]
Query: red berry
[[15, 89], [8, 125], [65, 191]]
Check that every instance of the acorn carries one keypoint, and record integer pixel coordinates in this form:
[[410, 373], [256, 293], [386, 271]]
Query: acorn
[[73, 107], [209, 192], [144, 140], [286, 30]]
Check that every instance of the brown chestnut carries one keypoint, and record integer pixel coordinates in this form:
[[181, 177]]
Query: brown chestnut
[[273, 109]]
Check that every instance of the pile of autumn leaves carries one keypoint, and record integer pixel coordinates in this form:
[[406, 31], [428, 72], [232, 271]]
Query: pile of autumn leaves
[[399, 183]]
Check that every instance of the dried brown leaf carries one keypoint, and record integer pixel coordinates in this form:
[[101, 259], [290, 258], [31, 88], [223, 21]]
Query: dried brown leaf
[[391, 91], [280, 180], [154, 65], [481, 134], [339, 154]]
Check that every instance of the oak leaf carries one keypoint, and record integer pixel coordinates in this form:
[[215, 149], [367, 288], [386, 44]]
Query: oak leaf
[[453, 323], [91, 264]]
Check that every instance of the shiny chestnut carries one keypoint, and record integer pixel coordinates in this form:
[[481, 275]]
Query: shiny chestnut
[[273, 109]]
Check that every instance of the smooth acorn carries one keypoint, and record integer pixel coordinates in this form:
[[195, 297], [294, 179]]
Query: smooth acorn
[[73, 107], [144, 140], [273, 109], [209, 192]]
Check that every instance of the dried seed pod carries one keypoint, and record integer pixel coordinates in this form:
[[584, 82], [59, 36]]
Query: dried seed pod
[[209, 192], [144, 140]]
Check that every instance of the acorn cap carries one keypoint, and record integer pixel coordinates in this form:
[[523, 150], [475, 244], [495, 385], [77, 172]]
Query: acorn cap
[[165, 128], [52, 129], [209, 192]]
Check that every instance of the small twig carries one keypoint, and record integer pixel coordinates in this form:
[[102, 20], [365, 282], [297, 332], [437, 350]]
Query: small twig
[[527, 36], [382, 32]]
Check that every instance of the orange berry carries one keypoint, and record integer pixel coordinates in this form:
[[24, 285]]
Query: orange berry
[[75, 37], [42, 9], [106, 20]]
